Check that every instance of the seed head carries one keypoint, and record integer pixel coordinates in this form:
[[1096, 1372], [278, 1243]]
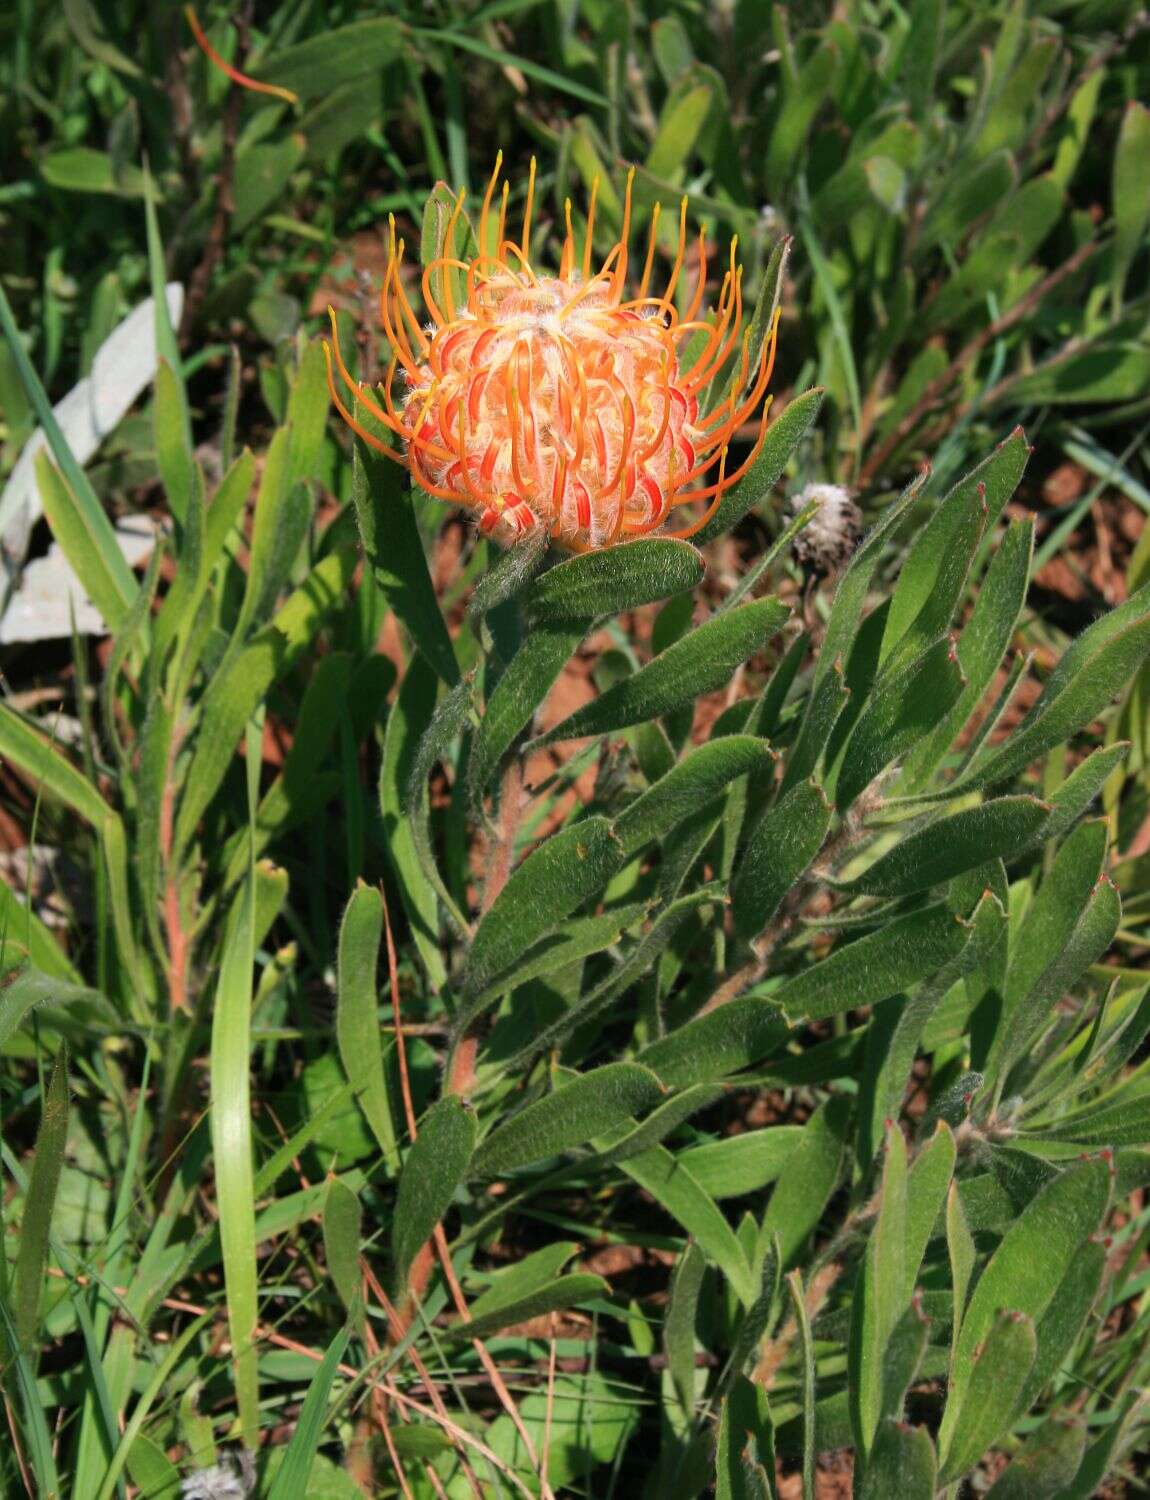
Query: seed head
[[554, 400], [831, 535]]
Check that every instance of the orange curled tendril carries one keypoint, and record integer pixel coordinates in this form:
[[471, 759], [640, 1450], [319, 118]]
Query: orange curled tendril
[[538, 400], [225, 67]]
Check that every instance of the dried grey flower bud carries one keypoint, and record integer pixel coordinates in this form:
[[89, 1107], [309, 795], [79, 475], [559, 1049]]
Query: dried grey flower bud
[[831, 535], [234, 1478]]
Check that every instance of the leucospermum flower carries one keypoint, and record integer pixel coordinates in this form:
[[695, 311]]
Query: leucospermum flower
[[558, 400]]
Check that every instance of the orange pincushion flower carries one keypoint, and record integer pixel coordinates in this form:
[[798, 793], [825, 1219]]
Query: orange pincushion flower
[[555, 400]]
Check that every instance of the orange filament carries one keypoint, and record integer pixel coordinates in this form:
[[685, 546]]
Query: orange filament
[[551, 400], [225, 67]]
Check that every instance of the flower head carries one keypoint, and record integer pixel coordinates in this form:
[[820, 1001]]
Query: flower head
[[557, 400]]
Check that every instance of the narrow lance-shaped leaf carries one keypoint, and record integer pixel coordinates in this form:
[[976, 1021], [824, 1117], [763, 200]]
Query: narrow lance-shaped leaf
[[1095, 669], [989, 1399], [615, 579], [541, 656], [809, 1177], [589, 1105], [394, 548], [40, 1203], [1025, 1272], [982, 644], [778, 852], [694, 781], [699, 663], [357, 1015], [548, 886], [718, 1043], [900, 713], [950, 846], [433, 1170], [679, 1325], [896, 956]]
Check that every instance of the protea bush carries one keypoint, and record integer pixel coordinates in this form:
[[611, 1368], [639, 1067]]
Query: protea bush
[[595, 962]]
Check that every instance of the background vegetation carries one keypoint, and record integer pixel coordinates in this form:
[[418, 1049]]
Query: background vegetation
[[784, 1109]]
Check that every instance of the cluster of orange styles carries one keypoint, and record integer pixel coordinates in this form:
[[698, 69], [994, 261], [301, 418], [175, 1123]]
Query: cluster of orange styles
[[558, 401]]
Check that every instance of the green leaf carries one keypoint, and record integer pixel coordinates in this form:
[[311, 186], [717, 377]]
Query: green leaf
[[394, 548], [1080, 788], [663, 1121], [740, 1164], [333, 57], [234, 694], [543, 653], [554, 879], [1024, 1274], [279, 526], [46, 769], [263, 172], [1095, 669], [961, 197], [433, 1169], [40, 1202], [902, 710], [412, 709], [700, 663], [88, 541], [341, 1233], [881, 1294], [949, 846], [578, 940], [807, 1368], [1130, 194], [1074, 923], [721, 1042], [663, 1176], [962, 1255], [901, 953], [231, 1129], [826, 704], [291, 1479], [173, 451], [779, 851], [679, 1325], [849, 601], [1060, 1325], [615, 579], [694, 781], [1049, 1455], [357, 1015], [801, 103], [976, 1419], [80, 169], [928, 1184], [784, 435], [451, 719], [561, 1293], [85, 25], [982, 644], [745, 1461], [808, 1178], [901, 1463], [1105, 371], [635, 963], [683, 117], [933, 575], [439, 212], [592, 1104]]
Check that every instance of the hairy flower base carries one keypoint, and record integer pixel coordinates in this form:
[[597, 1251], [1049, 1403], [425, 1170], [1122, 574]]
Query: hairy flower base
[[552, 401]]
